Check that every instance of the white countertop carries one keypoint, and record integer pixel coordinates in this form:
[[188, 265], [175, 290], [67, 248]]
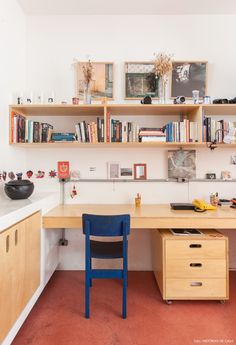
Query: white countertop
[[12, 211]]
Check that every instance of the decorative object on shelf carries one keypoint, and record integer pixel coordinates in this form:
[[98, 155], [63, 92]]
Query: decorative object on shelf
[[207, 100], [214, 199], [75, 174], [138, 200], [63, 102], [73, 192], [51, 98], [140, 171], [179, 100], [229, 138], [233, 159], [232, 101], [195, 94], [188, 76], [210, 176], [11, 175], [182, 164], [63, 136], [40, 174], [20, 100], [75, 100], [94, 77], [140, 80], [146, 100], [4, 175], [63, 170], [19, 189], [52, 173], [220, 101], [19, 176], [126, 172], [29, 173], [226, 175], [162, 69], [113, 170]]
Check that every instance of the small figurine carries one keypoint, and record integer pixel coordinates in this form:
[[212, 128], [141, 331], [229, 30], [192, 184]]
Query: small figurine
[[4, 175], [19, 176], [40, 174], [11, 175], [138, 200], [29, 173], [52, 173], [73, 192]]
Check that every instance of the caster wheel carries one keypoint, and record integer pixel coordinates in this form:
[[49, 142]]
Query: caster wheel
[[222, 301], [169, 302]]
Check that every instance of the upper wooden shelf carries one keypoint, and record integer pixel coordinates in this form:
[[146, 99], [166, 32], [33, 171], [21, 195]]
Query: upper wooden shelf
[[219, 109], [58, 109]]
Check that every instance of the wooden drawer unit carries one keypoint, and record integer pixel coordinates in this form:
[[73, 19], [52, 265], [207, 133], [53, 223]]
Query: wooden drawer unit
[[191, 267]]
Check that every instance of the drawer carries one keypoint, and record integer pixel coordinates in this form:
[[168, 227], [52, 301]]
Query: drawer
[[184, 249], [188, 268], [196, 288]]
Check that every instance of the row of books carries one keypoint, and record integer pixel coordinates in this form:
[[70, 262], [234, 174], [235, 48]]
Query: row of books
[[184, 131], [29, 131], [216, 130], [121, 131], [92, 132]]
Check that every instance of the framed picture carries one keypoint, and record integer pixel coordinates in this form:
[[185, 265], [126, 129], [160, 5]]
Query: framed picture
[[140, 80], [182, 164], [188, 76], [113, 170], [102, 80], [126, 172], [140, 171]]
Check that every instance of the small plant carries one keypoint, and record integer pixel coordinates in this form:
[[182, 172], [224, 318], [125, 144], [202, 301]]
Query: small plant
[[162, 64], [87, 72]]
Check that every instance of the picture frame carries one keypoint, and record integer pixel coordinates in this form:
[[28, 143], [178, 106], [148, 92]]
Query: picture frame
[[113, 170], [140, 80], [126, 173], [140, 171], [187, 76], [102, 85], [182, 164]]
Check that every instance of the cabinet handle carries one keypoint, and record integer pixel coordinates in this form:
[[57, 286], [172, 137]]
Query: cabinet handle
[[195, 245], [7, 243], [16, 237], [195, 264], [196, 284]]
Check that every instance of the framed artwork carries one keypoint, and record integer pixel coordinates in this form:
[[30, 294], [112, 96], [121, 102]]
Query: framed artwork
[[126, 172], [140, 171], [102, 80], [113, 170], [188, 76], [140, 80], [182, 164]]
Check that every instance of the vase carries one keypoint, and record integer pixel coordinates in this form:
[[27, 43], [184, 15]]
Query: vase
[[162, 86], [87, 94]]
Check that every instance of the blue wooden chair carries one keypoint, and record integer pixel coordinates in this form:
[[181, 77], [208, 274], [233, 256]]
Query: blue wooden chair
[[99, 225]]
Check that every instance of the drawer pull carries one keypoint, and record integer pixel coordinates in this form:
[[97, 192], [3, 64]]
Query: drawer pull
[[196, 284], [195, 245], [16, 237], [7, 243], [195, 264]]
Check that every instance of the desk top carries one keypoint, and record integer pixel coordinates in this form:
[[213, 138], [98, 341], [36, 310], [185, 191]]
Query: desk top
[[155, 216]]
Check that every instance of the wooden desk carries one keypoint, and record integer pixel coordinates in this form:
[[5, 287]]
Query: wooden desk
[[146, 217]]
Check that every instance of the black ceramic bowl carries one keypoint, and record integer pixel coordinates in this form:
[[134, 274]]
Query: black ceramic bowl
[[19, 189]]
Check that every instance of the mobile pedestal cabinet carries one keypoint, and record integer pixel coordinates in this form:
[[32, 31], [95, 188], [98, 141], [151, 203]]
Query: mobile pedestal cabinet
[[193, 267]]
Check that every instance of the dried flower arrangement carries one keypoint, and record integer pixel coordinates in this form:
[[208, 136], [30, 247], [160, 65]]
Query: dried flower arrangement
[[162, 64], [88, 73]]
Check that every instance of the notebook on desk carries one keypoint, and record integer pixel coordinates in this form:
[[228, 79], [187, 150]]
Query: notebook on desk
[[181, 206]]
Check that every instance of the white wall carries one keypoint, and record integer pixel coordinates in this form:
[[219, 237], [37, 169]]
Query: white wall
[[13, 73], [53, 42]]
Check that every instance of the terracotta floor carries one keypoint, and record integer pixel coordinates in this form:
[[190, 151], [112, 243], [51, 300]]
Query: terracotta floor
[[58, 316]]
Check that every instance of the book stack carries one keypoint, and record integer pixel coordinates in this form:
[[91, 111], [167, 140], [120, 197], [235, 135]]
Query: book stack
[[152, 135], [92, 132], [184, 131], [211, 126], [28, 131], [121, 131]]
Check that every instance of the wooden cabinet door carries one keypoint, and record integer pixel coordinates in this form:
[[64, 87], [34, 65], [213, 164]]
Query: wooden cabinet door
[[32, 256]]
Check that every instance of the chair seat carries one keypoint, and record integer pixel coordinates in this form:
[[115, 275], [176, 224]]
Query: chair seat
[[106, 250]]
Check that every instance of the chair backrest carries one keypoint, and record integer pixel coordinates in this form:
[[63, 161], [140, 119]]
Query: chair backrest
[[102, 225]]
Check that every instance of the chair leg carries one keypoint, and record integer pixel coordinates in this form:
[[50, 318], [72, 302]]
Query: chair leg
[[87, 295], [90, 280], [124, 300]]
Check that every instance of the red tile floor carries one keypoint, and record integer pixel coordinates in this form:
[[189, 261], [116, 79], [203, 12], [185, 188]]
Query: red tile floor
[[58, 316]]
